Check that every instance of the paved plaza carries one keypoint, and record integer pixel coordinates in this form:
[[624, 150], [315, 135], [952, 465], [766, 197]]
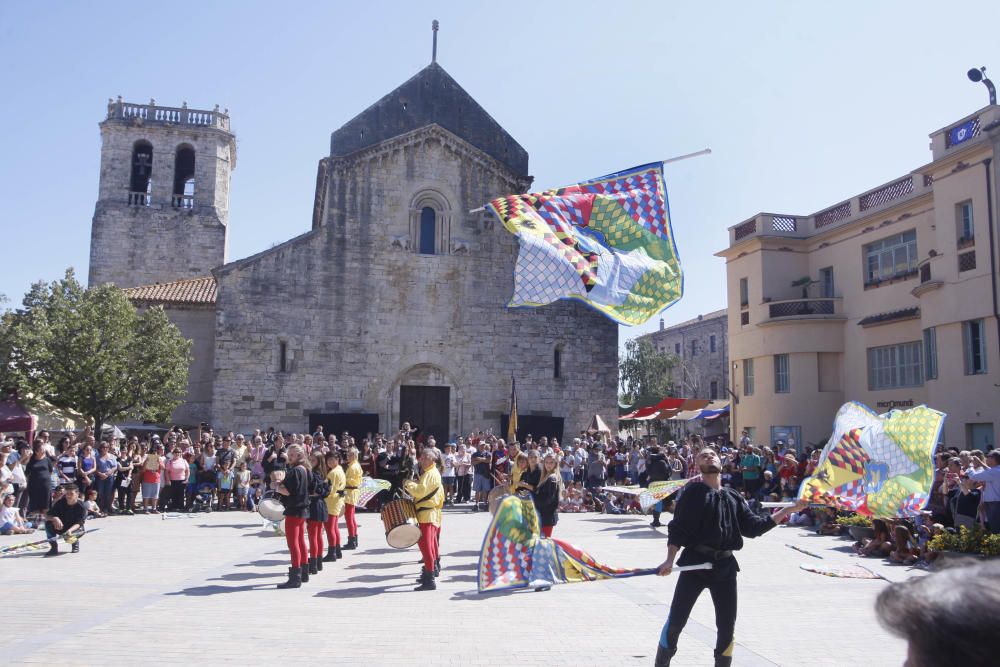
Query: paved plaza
[[200, 589]]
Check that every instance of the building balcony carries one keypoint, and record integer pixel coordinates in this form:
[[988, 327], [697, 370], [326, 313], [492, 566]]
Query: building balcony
[[823, 308], [151, 114]]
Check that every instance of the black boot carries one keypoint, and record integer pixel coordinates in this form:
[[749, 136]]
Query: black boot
[[76, 547], [437, 567], [331, 555], [53, 549], [319, 563], [427, 582], [723, 660], [352, 543], [340, 554], [294, 579], [656, 520], [304, 571], [663, 655]]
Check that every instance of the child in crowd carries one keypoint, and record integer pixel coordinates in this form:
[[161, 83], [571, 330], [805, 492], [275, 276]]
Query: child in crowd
[[448, 474], [11, 521], [227, 480], [255, 493], [90, 504], [242, 484]]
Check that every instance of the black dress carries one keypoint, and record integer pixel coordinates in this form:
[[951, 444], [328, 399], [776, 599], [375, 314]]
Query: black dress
[[39, 475], [319, 489], [547, 500]]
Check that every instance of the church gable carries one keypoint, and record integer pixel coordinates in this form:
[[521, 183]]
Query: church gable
[[432, 96]]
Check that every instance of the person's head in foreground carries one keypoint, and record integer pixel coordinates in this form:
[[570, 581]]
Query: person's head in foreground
[[947, 618]]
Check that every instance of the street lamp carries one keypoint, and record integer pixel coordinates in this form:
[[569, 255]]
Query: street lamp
[[977, 75]]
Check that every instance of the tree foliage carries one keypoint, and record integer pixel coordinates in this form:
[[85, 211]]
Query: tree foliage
[[644, 373], [89, 350]]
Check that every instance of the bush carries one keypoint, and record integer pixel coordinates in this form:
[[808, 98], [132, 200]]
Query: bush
[[855, 520]]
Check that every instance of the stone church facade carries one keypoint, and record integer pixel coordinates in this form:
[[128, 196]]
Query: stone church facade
[[391, 308]]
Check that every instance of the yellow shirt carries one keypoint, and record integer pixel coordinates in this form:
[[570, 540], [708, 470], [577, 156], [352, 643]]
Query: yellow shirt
[[515, 472], [335, 501], [354, 474], [428, 496]]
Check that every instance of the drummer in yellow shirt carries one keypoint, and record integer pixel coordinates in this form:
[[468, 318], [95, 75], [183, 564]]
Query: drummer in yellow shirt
[[352, 494], [334, 505], [428, 497]]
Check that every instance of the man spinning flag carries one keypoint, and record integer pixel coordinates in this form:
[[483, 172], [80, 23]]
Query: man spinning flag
[[709, 522]]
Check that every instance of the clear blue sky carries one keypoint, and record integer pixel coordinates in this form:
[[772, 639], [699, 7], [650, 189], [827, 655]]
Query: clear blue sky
[[803, 103]]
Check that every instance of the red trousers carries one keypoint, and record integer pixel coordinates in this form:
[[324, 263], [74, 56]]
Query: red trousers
[[315, 529], [332, 531], [547, 531], [352, 524], [295, 536], [428, 544]]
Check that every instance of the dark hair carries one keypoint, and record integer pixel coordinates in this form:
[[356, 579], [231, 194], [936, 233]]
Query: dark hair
[[947, 617], [70, 487], [995, 455]]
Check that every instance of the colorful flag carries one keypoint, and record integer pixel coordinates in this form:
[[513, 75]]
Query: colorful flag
[[657, 491], [515, 555], [607, 242], [512, 421], [38, 545], [877, 465], [371, 487]]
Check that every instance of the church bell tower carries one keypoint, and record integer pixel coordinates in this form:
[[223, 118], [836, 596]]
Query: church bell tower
[[162, 210]]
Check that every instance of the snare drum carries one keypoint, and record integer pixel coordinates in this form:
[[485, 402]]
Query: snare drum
[[271, 508], [495, 495], [400, 520]]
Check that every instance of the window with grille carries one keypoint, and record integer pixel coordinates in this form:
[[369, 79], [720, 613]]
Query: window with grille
[[677, 349], [694, 348], [748, 377], [744, 292], [974, 342], [891, 257], [893, 366], [782, 383], [744, 318], [711, 344], [967, 261]]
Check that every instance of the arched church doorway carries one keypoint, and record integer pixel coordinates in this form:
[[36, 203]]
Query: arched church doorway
[[426, 409]]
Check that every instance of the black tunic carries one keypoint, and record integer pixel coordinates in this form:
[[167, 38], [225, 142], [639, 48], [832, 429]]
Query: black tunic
[[657, 469], [296, 482], [547, 501], [317, 502], [705, 517], [70, 515], [39, 476], [532, 477]]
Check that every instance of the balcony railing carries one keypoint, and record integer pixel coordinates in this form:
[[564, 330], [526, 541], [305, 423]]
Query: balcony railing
[[182, 201], [139, 199], [151, 113], [802, 307]]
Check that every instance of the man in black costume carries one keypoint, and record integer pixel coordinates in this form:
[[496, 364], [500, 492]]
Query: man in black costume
[[710, 522]]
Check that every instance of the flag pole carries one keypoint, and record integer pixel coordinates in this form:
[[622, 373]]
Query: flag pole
[[686, 156]]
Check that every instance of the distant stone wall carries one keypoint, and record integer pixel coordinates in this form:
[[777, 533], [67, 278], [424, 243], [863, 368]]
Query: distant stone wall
[[361, 313], [693, 377]]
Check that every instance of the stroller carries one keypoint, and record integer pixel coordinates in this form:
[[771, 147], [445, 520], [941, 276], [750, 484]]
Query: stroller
[[203, 494]]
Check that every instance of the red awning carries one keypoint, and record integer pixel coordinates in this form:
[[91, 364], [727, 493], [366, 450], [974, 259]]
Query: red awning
[[14, 418]]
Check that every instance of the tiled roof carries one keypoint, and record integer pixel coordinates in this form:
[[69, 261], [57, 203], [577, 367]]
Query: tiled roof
[[891, 316], [191, 291]]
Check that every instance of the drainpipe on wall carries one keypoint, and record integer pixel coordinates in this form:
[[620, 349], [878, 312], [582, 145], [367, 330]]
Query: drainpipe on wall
[[989, 218]]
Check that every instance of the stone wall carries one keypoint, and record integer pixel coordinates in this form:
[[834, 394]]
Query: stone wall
[[144, 244], [360, 312], [197, 324]]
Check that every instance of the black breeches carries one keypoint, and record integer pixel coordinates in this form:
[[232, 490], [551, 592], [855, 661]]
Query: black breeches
[[721, 584]]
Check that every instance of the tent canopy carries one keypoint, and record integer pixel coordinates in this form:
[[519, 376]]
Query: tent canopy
[[14, 417], [597, 425]]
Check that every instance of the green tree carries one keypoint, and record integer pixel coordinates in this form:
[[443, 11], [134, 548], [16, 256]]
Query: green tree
[[89, 350], [644, 373]]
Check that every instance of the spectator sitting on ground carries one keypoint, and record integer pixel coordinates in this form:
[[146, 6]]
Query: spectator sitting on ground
[[906, 550], [11, 521], [878, 546], [90, 504]]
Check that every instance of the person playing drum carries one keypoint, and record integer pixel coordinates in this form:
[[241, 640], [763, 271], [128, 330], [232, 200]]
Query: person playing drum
[[428, 497], [334, 505], [294, 492], [351, 497]]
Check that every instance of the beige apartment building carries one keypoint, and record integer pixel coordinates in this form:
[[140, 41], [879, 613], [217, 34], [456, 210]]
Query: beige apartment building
[[889, 298]]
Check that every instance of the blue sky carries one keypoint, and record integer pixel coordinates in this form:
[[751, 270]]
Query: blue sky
[[804, 104]]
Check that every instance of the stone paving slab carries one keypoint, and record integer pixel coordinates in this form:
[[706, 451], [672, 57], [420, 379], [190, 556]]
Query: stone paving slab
[[201, 588]]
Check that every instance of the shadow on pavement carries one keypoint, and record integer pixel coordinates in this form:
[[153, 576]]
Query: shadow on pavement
[[263, 563], [244, 576], [474, 596], [229, 525], [466, 566], [624, 518], [641, 534], [374, 578], [200, 591], [462, 554], [372, 566], [464, 577], [364, 592]]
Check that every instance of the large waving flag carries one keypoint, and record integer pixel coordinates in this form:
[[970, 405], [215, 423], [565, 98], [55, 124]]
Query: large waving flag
[[515, 555], [607, 242], [371, 487], [877, 465]]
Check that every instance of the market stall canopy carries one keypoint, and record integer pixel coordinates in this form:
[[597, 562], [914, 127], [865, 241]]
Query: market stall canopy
[[15, 418], [50, 418], [668, 408], [597, 425]]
